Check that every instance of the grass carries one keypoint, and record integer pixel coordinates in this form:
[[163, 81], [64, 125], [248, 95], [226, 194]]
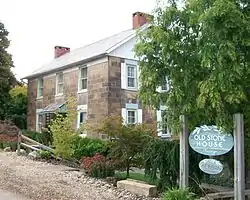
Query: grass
[[135, 176]]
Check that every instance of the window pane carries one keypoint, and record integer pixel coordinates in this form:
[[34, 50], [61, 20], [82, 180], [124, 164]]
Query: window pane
[[131, 117], [165, 86], [164, 122], [83, 116], [60, 78], [60, 88], [84, 72], [131, 82], [84, 84], [131, 71]]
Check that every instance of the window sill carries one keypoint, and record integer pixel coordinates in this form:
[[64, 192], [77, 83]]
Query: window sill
[[59, 95], [39, 98], [132, 89], [82, 91]]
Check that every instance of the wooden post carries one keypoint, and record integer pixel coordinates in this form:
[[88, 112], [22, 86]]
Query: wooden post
[[184, 153], [19, 140], [239, 160]]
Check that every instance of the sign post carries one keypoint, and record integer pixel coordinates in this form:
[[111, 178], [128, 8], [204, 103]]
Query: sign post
[[184, 154], [239, 162]]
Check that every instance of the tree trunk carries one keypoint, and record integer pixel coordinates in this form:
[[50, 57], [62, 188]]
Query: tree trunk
[[128, 168]]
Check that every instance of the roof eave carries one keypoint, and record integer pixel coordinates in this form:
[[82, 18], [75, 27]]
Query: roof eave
[[65, 66]]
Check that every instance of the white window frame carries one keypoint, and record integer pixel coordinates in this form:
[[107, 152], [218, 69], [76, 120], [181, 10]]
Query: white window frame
[[40, 88], [136, 116], [134, 77], [166, 83], [81, 109], [38, 124], [61, 83], [159, 123], [82, 78], [124, 74]]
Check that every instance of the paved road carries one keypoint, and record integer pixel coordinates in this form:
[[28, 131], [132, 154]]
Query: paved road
[[4, 195]]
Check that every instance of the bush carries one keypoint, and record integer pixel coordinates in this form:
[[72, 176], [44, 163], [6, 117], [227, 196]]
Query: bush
[[44, 137], [178, 194], [98, 166], [162, 162], [87, 147], [12, 145], [128, 141], [45, 154]]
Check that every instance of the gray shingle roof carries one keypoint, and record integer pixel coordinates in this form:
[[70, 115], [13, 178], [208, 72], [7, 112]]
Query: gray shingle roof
[[89, 51]]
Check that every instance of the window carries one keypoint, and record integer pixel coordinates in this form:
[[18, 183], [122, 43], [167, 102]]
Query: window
[[164, 125], [82, 117], [131, 117], [165, 85], [131, 74], [39, 120], [83, 80], [40, 88], [59, 83]]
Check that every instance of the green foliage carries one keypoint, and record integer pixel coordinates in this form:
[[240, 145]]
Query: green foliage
[[204, 51], [17, 106], [162, 162], [7, 79], [12, 145], [63, 131], [179, 194], [45, 154], [43, 137], [88, 147], [128, 141]]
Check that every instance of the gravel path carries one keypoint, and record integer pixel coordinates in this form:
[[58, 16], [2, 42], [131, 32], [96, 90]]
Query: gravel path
[[40, 180]]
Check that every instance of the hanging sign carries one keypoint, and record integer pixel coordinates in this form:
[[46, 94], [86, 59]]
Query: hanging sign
[[211, 166], [210, 141]]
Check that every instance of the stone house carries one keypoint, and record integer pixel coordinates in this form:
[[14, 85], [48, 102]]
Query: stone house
[[102, 75]]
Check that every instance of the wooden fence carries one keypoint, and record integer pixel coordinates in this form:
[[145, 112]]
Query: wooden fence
[[31, 144]]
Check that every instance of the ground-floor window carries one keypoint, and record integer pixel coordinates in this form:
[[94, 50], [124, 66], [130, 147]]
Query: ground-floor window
[[162, 122], [132, 114]]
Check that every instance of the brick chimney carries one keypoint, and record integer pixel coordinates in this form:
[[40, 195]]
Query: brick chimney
[[59, 51], [139, 19]]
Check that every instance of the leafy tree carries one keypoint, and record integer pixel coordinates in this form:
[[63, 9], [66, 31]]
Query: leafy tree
[[204, 51], [17, 106], [63, 131], [128, 141], [7, 79]]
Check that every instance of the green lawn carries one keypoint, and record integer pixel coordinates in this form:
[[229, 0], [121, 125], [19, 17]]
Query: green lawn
[[135, 176]]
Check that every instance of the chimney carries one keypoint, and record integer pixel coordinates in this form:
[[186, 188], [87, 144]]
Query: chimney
[[139, 19], [59, 51]]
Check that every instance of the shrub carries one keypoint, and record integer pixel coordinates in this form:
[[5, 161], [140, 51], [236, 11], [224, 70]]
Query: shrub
[[88, 147], [128, 141], [178, 194], [63, 131], [162, 161], [45, 154], [98, 166], [44, 137]]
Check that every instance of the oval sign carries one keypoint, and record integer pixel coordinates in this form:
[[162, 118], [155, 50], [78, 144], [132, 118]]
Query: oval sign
[[210, 141], [211, 166]]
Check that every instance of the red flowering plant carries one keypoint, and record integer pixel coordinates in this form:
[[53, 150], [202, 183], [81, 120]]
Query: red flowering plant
[[98, 166]]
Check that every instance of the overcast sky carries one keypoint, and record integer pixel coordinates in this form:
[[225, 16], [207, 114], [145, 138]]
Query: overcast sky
[[36, 26]]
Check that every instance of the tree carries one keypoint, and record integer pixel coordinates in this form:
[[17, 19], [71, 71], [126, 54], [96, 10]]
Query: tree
[[204, 51], [7, 79], [128, 141], [63, 131], [16, 110]]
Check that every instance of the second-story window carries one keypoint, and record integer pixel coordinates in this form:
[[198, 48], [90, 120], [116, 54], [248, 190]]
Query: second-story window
[[131, 75], [83, 81], [40, 88], [59, 83]]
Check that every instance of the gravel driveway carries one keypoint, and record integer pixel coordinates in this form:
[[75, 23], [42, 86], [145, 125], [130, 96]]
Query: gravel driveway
[[40, 180]]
